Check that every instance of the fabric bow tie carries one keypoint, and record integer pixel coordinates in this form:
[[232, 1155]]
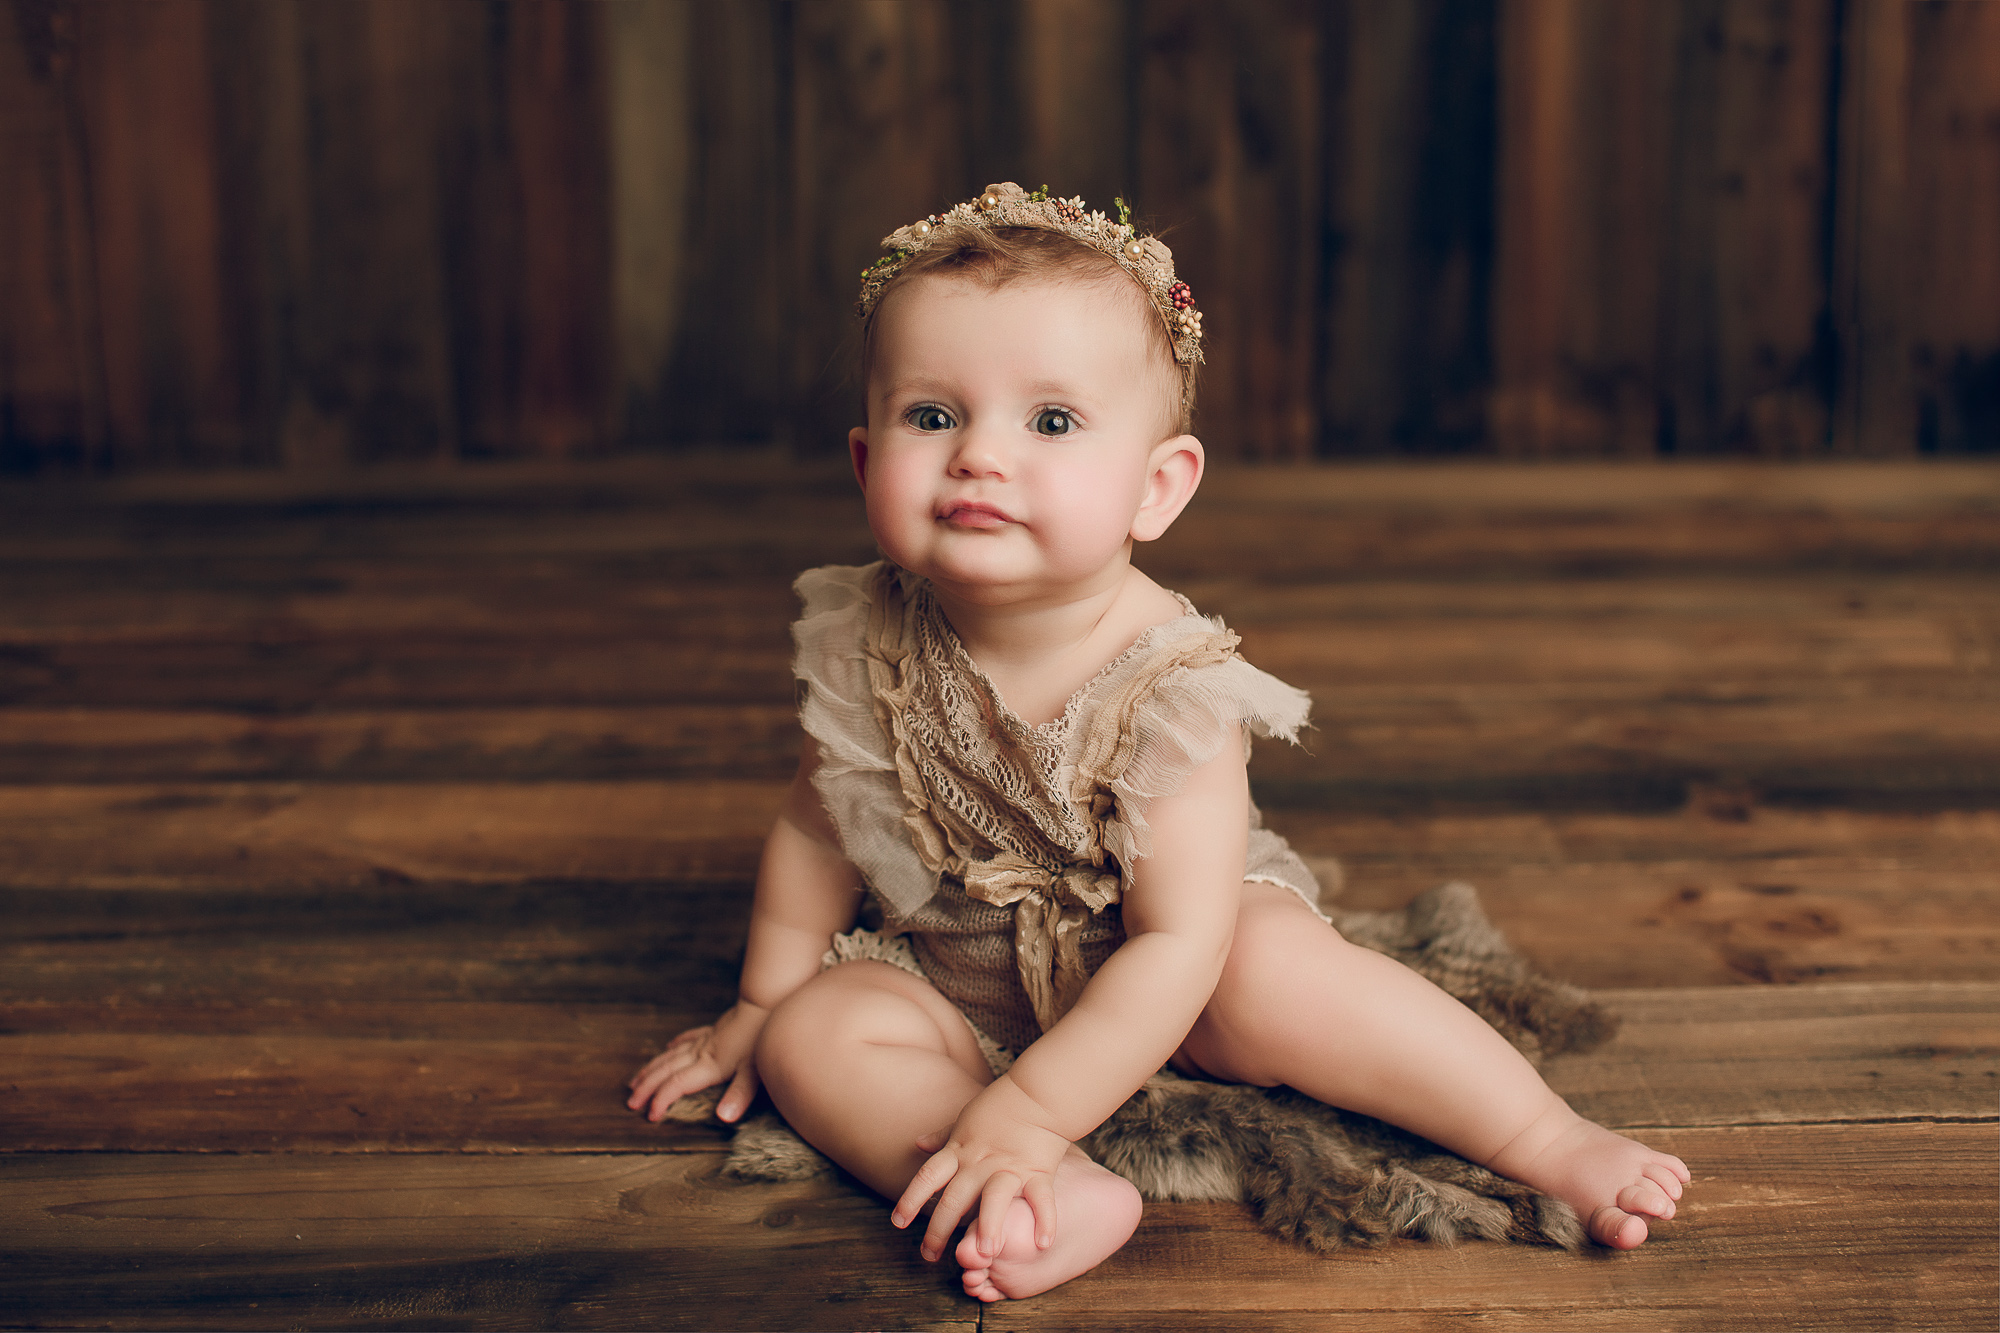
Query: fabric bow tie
[[1050, 909]]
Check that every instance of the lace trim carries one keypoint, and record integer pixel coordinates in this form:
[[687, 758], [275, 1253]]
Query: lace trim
[[1060, 725], [1016, 838], [927, 773]]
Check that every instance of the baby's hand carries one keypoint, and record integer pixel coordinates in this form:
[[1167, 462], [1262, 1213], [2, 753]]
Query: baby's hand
[[701, 1058], [999, 1150]]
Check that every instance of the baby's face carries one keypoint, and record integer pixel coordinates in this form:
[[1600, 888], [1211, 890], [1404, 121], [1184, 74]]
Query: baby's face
[[1012, 434]]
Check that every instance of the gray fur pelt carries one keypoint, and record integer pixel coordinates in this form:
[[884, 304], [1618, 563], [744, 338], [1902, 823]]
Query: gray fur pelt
[[1316, 1175]]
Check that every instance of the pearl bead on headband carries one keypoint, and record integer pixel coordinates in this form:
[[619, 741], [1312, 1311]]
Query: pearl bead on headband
[[1146, 258]]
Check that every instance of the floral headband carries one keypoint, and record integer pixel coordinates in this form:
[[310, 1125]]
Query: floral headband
[[1146, 258]]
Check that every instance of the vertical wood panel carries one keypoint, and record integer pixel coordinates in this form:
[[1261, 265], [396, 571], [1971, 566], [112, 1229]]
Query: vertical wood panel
[[1072, 66], [51, 384], [327, 232], [876, 142], [1538, 66], [557, 109], [1877, 408], [1747, 284], [652, 144], [1953, 296], [1664, 273], [374, 329], [173, 374], [260, 135], [1184, 164], [1410, 156], [1771, 182], [1229, 156], [729, 377], [1613, 307]]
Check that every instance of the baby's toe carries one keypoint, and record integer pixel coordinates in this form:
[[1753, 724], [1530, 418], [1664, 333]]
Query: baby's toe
[[1670, 1184], [1646, 1198], [1617, 1229]]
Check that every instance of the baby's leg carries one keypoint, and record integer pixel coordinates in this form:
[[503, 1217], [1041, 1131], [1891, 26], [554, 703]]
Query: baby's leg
[[865, 1059], [1301, 1006]]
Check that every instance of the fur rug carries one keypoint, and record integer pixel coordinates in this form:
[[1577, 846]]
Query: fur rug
[[1318, 1176]]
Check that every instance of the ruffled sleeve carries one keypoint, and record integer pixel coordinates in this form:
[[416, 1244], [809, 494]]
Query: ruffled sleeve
[[1181, 720], [856, 781]]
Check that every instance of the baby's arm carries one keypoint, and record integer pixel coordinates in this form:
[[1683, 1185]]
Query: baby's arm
[[806, 893], [1179, 911]]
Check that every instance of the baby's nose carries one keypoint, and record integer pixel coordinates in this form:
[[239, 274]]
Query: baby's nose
[[979, 454]]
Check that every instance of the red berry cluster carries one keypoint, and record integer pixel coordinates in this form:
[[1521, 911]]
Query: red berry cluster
[[1181, 295], [1068, 212]]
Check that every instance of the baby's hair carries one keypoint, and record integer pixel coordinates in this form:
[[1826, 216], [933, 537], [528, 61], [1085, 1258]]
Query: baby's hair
[[997, 256]]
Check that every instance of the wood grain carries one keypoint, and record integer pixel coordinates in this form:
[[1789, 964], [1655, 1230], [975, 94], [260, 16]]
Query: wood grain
[[1372, 746], [296, 835], [307, 1092], [53, 354], [1882, 1226], [1724, 893], [1917, 1051], [175, 378], [605, 1241], [1730, 893], [1812, 1227], [185, 955], [89, 745], [357, 840], [266, 1074], [277, 663], [1910, 152], [315, 235]]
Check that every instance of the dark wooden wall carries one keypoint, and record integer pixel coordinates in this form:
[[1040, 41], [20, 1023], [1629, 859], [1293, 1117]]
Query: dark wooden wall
[[308, 233]]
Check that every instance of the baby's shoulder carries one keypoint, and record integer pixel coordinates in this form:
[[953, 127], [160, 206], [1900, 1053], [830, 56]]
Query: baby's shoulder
[[832, 588], [1184, 671]]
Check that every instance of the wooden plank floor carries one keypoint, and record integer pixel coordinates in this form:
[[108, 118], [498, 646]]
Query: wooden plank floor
[[357, 837]]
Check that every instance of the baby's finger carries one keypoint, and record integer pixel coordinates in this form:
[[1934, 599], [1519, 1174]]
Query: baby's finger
[[653, 1068], [934, 1140], [995, 1201], [1040, 1192], [742, 1091], [674, 1057], [931, 1177], [952, 1206], [645, 1082], [691, 1036], [689, 1078]]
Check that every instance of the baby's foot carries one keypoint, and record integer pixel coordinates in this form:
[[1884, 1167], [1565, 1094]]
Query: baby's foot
[[1613, 1183], [1096, 1213]]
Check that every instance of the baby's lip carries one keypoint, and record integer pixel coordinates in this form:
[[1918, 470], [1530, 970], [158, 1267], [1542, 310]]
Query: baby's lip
[[973, 514]]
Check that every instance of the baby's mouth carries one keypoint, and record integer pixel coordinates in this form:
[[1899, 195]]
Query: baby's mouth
[[973, 514]]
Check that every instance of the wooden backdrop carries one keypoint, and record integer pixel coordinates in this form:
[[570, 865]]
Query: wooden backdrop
[[308, 233]]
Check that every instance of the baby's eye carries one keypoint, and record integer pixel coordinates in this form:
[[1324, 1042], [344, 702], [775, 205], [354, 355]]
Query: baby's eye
[[928, 418], [1054, 421]]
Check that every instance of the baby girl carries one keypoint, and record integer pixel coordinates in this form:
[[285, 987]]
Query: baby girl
[[1026, 761]]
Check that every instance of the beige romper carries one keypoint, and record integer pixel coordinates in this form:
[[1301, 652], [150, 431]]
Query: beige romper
[[992, 848]]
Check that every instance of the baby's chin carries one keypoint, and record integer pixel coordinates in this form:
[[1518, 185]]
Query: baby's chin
[[998, 582]]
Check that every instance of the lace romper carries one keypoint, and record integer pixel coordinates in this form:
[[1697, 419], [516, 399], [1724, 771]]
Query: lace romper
[[992, 849]]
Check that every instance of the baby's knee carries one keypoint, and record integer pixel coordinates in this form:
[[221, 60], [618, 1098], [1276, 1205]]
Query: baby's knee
[[804, 1022], [815, 1024]]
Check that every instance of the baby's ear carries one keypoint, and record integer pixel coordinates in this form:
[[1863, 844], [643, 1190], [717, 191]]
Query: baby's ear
[[1176, 466], [857, 449]]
